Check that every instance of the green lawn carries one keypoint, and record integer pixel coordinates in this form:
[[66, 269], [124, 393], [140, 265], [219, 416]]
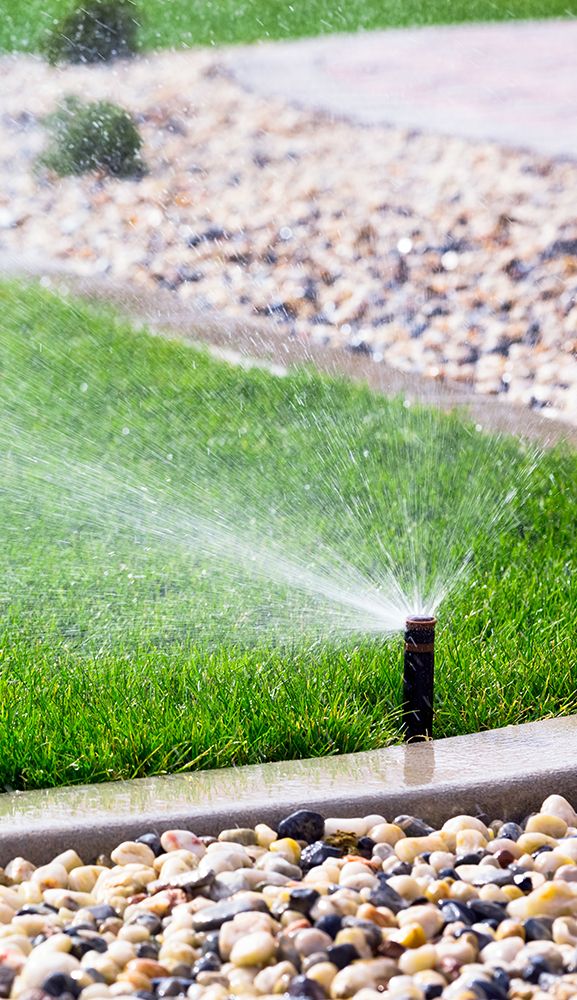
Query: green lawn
[[156, 506], [209, 22]]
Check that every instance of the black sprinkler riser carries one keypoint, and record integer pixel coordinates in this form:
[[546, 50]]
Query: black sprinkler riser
[[419, 678]]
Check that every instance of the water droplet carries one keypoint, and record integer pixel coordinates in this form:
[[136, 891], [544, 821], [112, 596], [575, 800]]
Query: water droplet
[[450, 260], [405, 245]]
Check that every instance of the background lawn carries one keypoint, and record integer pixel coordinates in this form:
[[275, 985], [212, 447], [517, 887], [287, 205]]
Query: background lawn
[[213, 22], [134, 639]]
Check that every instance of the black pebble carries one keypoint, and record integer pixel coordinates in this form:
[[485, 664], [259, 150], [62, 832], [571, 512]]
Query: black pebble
[[489, 990], [40, 908], [485, 911], [403, 868], [59, 983], [316, 853], [331, 924], [385, 895], [171, 986], [300, 986], [151, 840], [452, 911], [523, 881], [433, 990], [147, 949], [365, 846], [208, 963], [449, 873], [472, 858], [413, 826], [534, 969], [210, 944], [510, 831], [303, 900], [342, 955], [541, 850], [538, 929], [102, 912], [302, 825], [144, 995], [80, 946], [7, 977]]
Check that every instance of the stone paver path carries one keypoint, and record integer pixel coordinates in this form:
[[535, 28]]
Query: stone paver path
[[513, 82]]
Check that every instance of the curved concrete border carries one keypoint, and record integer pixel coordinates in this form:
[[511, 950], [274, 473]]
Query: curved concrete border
[[505, 773]]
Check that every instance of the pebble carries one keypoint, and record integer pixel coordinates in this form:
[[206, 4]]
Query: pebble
[[73, 929]]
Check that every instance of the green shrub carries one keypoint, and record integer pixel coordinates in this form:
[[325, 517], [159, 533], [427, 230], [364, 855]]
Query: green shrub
[[94, 136], [95, 31]]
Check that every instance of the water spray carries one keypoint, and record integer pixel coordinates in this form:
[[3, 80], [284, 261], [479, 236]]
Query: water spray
[[419, 677]]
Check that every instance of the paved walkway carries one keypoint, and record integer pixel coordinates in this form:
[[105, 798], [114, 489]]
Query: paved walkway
[[514, 82]]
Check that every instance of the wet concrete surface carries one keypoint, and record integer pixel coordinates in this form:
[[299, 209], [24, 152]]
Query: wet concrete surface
[[504, 773], [512, 82]]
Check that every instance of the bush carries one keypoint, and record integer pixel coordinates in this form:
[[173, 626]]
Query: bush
[[95, 31], [95, 136]]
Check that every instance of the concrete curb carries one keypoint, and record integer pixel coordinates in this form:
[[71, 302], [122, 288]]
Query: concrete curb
[[505, 773]]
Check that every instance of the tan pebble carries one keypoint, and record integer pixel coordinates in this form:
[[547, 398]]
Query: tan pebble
[[406, 886], [19, 870], [552, 826], [460, 951], [358, 827], [281, 973], [464, 822], [56, 942], [244, 836], [418, 959], [241, 981], [356, 937], [429, 917], [39, 967], [147, 967], [367, 911], [371, 974], [287, 848], [132, 853], [505, 950], [84, 878], [410, 935], [52, 876], [135, 979], [310, 940], [136, 933], [556, 805], [553, 899], [69, 859], [441, 859], [121, 952], [437, 890], [565, 930], [264, 835], [510, 928], [29, 923], [244, 923], [98, 991], [175, 953], [254, 949], [173, 840], [323, 973], [386, 833], [102, 964], [568, 873], [530, 842], [410, 847]]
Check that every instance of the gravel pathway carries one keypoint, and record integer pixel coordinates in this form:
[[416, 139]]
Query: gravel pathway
[[334, 909], [449, 258]]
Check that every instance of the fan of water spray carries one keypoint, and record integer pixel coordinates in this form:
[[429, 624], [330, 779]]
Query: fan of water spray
[[312, 519]]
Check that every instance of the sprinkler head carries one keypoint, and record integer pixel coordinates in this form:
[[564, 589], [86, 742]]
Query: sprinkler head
[[418, 680]]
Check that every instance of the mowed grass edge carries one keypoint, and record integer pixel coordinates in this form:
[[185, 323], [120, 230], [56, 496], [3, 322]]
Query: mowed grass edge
[[71, 713], [177, 23]]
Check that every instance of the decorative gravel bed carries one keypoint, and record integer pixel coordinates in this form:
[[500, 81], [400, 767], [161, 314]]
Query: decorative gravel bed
[[336, 908], [450, 258]]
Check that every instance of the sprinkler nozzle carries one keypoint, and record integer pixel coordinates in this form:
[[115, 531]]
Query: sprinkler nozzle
[[418, 679]]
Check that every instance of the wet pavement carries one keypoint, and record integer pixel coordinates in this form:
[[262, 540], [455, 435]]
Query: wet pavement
[[510, 82]]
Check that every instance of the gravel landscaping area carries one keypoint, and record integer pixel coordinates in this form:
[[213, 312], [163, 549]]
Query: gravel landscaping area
[[452, 258], [339, 908]]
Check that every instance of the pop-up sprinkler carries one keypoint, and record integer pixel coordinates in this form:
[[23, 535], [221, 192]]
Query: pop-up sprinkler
[[418, 679]]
